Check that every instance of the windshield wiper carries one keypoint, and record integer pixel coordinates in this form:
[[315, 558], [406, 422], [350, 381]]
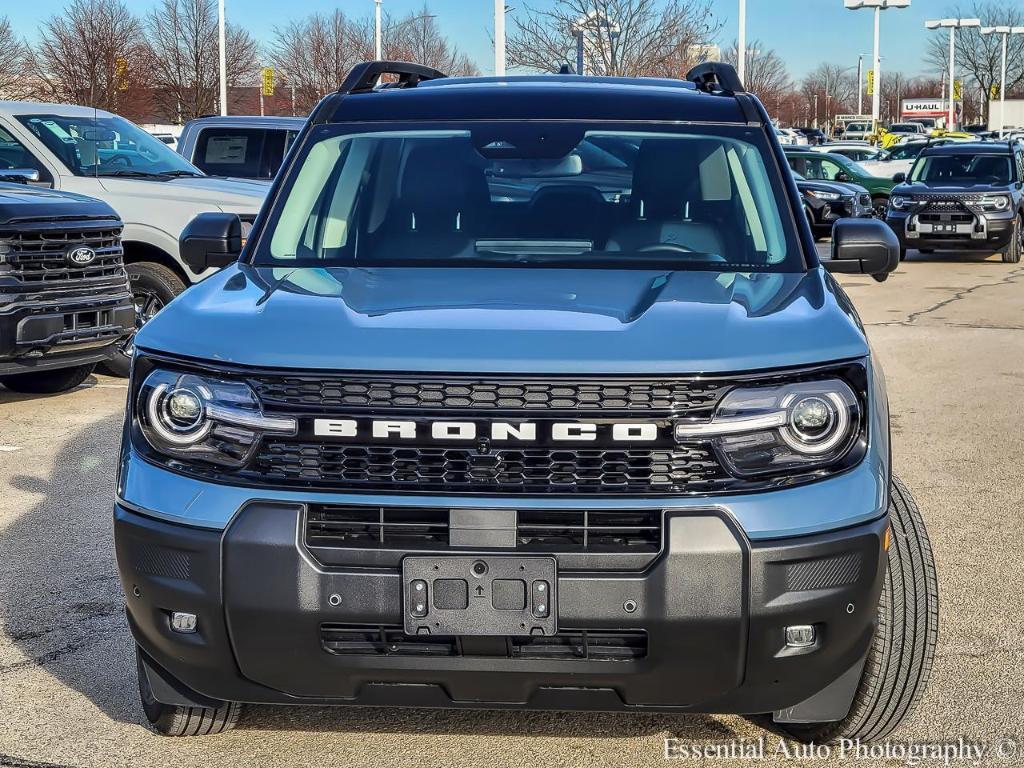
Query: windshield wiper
[[126, 173], [179, 174]]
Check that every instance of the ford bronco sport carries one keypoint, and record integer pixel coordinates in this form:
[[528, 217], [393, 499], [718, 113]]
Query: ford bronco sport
[[64, 298], [559, 413]]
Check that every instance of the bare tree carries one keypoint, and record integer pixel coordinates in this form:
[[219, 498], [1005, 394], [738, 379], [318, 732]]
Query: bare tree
[[830, 88], [14, 64], [418, 38], [978, 56], [620, 37], [92, 54], [185, 67], [766, 75]]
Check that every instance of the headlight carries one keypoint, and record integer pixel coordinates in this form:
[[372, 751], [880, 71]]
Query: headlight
[[199, 418], [897, 202], [775, 429], [995, 202], [830, 196]]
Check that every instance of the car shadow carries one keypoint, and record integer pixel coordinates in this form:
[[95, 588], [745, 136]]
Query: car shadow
[[10, 396], [62, 607], [957, 257]]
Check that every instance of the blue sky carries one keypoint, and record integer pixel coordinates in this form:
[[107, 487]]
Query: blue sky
[[804, 32]]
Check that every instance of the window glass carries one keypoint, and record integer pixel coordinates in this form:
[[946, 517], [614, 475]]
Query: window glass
[[534, 195], [250, 153], [966, 168], [13, 154]]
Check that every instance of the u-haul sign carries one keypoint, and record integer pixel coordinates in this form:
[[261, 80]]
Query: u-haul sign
[[923, 108]]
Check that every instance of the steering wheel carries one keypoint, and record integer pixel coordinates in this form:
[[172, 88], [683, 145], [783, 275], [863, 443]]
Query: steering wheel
[[119, 159], [666, 247]]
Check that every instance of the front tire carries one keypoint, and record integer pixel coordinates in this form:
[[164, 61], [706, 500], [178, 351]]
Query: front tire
[[1014, 250], [900, 659], [47, 382], [880, 204], [153, 286], [170, 720]]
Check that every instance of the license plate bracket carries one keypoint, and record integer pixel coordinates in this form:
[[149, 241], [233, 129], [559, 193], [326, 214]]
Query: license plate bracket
[[468, 595]]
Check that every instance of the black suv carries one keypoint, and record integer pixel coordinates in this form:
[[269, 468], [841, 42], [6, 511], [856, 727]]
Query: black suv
[[825, 202], [65, 304], [962, 197]]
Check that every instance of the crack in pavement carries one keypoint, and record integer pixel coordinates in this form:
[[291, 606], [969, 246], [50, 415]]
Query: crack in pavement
[[957, 296]]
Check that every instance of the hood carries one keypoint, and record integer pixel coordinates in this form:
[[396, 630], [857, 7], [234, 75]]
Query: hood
[[232, 195], [490, 320], [953, 187], [21, 201]]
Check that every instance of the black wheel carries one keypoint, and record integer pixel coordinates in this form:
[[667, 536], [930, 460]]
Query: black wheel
[[900, 660], [169, 720], [1014, 250], [47, 382], [880, 204], [153, 286]]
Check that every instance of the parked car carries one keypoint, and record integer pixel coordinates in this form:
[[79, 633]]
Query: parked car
[[242, 147], [826, 202], [154, 190], [65, 304], [899, 158], [813, 135], [857, 151], [829, 167], [791, 137], [962, 197], [583, 451], [911, 128], [856, 130]]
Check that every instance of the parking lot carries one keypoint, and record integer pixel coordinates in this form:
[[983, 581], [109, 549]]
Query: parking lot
[[950, 335]]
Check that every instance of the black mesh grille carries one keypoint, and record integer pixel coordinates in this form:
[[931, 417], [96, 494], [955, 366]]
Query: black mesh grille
[[39, 257], [696, 398], [633, 531], [568, 644], [335, 465]]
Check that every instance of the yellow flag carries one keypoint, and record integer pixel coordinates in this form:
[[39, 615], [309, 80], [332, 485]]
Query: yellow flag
[[268, 81]]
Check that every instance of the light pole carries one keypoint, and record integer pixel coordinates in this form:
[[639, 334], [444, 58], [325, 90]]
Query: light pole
[[222, 58], [377, 52], [499, 38], [952, 25], [878, 6], [741, 43], [1005, 32]]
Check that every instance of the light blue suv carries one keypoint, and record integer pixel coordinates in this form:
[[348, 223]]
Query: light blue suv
[[557, 413]]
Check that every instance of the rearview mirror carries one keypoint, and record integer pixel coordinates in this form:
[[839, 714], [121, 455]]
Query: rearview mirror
[[211, 240], [899, 178], [863, 246], [19, 175]]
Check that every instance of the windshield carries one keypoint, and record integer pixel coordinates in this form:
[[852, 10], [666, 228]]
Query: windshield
[[905, 151], [904, 128], [853, 168], [535, 194], [962, 169], [859, 127], [106, 146]]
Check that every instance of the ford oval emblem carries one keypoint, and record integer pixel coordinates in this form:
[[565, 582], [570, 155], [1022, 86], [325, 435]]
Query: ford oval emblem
[[80, 256]]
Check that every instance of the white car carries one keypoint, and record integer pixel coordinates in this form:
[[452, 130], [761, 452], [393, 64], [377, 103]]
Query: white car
[[857, 151], [790, 137], [154, 190]]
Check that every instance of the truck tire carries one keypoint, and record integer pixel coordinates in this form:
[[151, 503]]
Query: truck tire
[[170, 720], [153, 286], [900, 659], [1013, 251], [880, 204], [47, 382]]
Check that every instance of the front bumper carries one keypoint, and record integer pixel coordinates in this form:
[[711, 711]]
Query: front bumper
[[984, 232], [46, 333], [712, 609]]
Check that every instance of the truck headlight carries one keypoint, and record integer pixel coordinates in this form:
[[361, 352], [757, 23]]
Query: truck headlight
[[898, 202], [995, 202], [775, 429], [199, 418], [830, 196]]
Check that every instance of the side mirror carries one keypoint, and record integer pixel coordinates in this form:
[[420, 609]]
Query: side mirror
[[899, 178], [842, 176], [211, 240], [863, 246], [19, 175]]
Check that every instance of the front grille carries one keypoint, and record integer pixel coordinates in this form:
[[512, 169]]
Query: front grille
[[38, 257], [354, 526], [568, 644], [686, 469], [695, 397]]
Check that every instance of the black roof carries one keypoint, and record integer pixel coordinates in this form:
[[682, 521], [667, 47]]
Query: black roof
[[969, 148], [536, 97]]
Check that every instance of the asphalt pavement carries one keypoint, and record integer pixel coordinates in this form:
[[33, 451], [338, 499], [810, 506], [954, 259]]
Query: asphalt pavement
[[950, 335]]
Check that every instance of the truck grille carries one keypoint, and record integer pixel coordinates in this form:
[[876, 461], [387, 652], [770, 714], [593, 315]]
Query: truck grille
[[568, 644], [406, 528], [685, 469], [38, 257]]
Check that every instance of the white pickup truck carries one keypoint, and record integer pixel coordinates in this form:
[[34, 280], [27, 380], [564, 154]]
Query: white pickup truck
[[154, 190]]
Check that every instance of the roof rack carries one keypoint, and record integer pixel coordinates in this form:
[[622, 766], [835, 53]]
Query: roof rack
[[364, 77], [716, 77]]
